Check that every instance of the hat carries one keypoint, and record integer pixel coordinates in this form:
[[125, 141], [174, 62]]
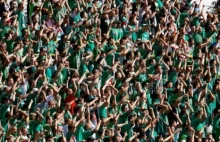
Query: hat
[[35, 89], [19, 38], [6, 97], [19, 91], [199, 127], [182, 106], [209, 129], [39, 128], [183, 137]]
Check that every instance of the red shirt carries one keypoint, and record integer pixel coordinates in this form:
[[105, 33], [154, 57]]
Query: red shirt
[[70, 99]]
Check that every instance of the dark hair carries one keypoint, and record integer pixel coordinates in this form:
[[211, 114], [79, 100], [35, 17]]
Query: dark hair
[[48, 137], [36, 7], [156, 66], [20, 4], [82, 13]]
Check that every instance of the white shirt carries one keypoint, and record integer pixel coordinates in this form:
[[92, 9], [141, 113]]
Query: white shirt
[[65, 129], [24, 87]]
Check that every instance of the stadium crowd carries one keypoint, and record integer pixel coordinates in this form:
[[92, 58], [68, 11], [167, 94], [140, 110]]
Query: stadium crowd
[[109, 71]]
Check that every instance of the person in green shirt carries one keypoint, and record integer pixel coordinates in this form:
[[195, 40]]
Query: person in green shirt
[[21, 17]]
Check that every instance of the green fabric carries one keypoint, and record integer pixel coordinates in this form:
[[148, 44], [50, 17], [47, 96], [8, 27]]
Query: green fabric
[[31, 7], [83, 69], [69, 135], [77, 18], [197, 38], [114, 33], [105, 76], [5, 30], [199, 127], [128, 128], [72, 4], [110, 57], [173, 77], [79, 132], [4, 109], [182, 18], [37, 46], [75, 59], [157, 48], [21, 21], [10, 45], [87, 134], [159, 3], [90, 46], [123, 118], [102, 111], [143, 35], [195, 21]]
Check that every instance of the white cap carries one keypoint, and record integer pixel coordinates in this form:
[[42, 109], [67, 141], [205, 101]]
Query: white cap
[[35, 89]]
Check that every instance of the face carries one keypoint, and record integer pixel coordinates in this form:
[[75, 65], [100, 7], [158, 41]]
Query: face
[[193, 29], [119, 75], [182, 75], [70, 91], [50, 92], [49, 16], [2, 46], [14, 130], [11, 81], [52, 104], [67, 107], [159, 69], [67, 19], [24, 131], [126, 109], [21, 7], [50, 140], [170, 85], [50, 120], [192, 42], [14, 4]]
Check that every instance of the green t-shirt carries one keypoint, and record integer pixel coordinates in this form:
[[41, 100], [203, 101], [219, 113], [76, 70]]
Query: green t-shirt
[[72, 4], [79, 132], [173, 76], [90, 46], [4, 108], [157, 48], [87, 134], [31, 7], [197, 38], [114, 33], [21, 21], [182, 18], [105, 76], [123, 118], [83, 69], [10, 45], [35, 126], [37, 46], [51, 46], [143, 35], [69, 135], [77, 18], [102, 111], [129, 129], [195, 21], [75, 59]]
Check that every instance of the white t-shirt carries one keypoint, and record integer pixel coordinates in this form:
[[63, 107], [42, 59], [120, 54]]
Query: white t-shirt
[[65, 129]]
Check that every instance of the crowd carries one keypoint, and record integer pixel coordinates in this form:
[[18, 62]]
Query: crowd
[[109, 71]]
